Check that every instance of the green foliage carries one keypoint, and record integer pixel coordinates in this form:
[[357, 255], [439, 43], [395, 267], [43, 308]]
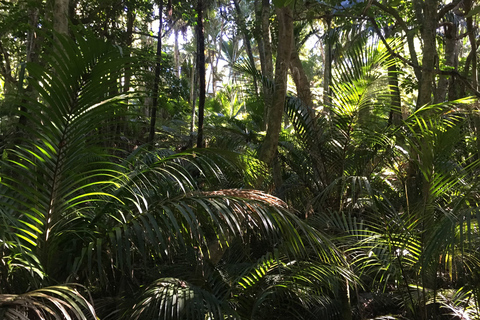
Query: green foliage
[[74, 212]]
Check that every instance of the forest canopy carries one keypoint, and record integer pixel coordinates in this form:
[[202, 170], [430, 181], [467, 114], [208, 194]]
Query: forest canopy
[[242, 159]]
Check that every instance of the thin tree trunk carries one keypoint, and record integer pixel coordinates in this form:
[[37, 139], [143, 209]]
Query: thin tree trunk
[[268, 149], [301, 81], [219, 56], [200, 71], [128, 70], [267, 60], [259, 37], [395, 116], [267, 39], [156, 82], [176, 53], [246, 37], [193, 99], [428, 33], [6, 70], [33, 48], [446, 84], [327, 72]]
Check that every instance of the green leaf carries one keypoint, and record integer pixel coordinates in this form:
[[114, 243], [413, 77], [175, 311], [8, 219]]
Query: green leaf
[[473, 12]]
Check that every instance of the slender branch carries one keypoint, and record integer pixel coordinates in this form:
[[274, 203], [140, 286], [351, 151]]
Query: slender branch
[[453, 73], [389, 49], [447, 8], [156, 36], [403, 25], [393, 13]]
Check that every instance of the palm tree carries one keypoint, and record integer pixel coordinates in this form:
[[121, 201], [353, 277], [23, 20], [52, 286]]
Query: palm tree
[[83, 231], [400, 200]]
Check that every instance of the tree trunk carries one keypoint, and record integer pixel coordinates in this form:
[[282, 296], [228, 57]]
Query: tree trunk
[[301, 81], [246, 37], [219, 50], [473, 53], [395, 116], [60, 16], [200, 71], [260, 38], [193, 99], [275, 112], [128, 70], [327, 71], [33, 50], [428, 33], [473, 44], [446, 84], [176, 53], [156, 81], [266, 56]]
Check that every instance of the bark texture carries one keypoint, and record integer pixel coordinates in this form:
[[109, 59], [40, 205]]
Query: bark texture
[[266, 56], [300, 78], [429, 27], [275, 112], [60, 16]]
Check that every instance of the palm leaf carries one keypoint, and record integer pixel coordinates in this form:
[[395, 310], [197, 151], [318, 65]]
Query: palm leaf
[[56, 302]]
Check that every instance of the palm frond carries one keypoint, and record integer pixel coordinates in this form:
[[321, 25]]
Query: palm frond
[[55, 302], [61, 166], [171, 298]]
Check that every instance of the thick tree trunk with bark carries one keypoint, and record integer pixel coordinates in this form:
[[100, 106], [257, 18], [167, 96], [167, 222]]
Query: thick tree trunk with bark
[[275, 112], [200, 71]]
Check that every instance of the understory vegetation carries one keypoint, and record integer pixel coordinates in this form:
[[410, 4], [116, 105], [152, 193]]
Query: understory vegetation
[[117, 203]]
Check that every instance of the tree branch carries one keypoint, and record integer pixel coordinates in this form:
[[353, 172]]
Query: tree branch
[[447, 8], [403, 25], [393, 13], [389, 49], [455, 73]]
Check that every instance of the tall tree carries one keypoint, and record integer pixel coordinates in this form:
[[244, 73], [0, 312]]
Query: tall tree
[[275, 111], [247, 40], [199, 31], [156, 81]]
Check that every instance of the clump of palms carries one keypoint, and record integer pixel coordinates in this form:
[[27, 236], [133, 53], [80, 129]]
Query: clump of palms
[[85, 233], [400, 199]]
